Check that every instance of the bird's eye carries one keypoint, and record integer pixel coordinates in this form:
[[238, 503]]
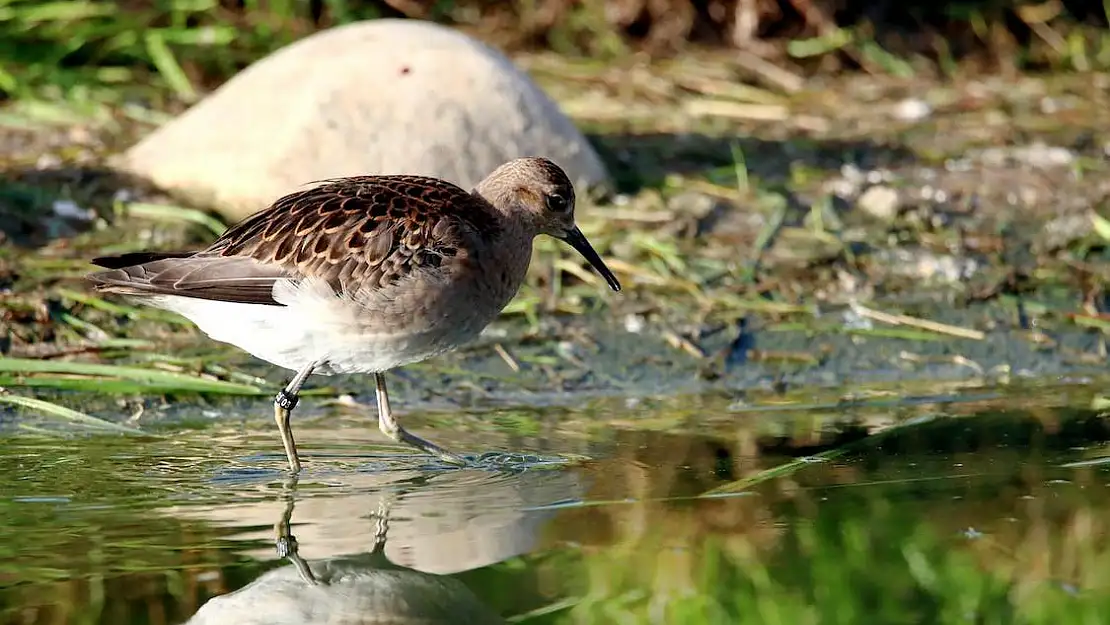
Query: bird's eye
[[557, 203]]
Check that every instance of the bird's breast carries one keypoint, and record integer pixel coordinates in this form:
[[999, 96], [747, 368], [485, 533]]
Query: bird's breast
[[424, 317]]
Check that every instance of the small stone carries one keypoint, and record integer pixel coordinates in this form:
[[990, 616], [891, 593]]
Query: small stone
[[634, 324], [692, 203], [384, 96], [851, 172], [68, 209], [1036, 155], [1062, 231], [881, 202], [957, 165], [841, 187], [912, 109], [699, 213], [926, 266], [48, 161]]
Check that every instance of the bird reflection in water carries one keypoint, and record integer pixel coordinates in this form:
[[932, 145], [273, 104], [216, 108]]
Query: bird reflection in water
[[479, 520], [362, 589]]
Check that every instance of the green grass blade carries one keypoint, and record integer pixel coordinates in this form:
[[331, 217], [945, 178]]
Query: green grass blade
[[99, 303], [178, 382], [88, 385], [66, 414], [816, 46], [908, 334], [179, 213], [168, 67], [1101, 225], [64, 11]]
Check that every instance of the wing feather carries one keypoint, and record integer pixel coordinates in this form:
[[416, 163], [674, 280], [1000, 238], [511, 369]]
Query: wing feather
[[357, 234], [234, 279], [345, 230]]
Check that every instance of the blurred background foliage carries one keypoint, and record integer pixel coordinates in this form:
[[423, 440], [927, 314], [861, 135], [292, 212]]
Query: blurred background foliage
[[86, 48]]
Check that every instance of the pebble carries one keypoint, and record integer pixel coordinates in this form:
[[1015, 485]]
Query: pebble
[[881, 202], [912, 110]]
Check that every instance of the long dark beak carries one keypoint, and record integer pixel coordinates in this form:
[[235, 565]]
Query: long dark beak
[[578, 241]]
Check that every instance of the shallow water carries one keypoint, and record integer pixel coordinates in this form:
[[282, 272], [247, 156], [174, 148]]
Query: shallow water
[[958, 506]]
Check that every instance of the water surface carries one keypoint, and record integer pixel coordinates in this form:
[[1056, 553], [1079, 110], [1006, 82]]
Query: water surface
[[961, 506]]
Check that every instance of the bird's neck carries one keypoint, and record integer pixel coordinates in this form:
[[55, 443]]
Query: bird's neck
[[506, 260], [514, 247], [510, 249]]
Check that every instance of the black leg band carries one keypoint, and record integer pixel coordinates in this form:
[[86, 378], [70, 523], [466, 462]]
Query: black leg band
[[286, 400], [285, 545]]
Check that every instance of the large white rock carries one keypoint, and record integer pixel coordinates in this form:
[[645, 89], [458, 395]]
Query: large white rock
[[380, 96]]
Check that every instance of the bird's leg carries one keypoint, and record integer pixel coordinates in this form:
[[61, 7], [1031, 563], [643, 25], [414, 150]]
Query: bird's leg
[[284, 403], [286, 542], [392, 429], [381, 518]]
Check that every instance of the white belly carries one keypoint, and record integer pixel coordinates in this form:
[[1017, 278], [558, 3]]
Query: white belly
[[316, 326]]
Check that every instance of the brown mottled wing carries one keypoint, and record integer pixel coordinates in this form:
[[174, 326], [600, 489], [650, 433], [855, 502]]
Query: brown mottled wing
[[362, 233]]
